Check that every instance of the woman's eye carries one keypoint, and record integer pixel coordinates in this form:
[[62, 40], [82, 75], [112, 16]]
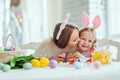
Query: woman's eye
[[75, 40], [90, 41]]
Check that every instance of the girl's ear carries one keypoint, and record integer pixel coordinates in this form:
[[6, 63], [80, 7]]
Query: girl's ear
[[85, 19], [96, 22]]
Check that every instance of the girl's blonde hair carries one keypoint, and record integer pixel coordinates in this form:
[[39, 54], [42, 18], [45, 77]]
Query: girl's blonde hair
[[89, 30]]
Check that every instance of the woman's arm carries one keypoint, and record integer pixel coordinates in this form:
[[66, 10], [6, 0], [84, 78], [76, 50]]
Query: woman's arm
[[31, 45]]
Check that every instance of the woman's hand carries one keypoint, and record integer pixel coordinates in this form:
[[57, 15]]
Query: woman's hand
[[59, 57], [69, 56]]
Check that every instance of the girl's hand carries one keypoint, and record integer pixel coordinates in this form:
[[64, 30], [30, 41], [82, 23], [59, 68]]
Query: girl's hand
[[76, 55]]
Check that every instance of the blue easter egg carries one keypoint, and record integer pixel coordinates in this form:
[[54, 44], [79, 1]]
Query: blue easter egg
[[79, 60], [77, 65]]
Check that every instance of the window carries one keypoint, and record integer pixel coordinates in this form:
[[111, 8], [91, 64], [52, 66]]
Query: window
[[34, 21], [97, 7], [36, 25], [113, 11]]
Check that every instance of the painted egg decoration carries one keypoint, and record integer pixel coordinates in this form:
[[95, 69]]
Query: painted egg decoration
[[1, 66], [53, 64], [27, 66], [6, 68], [77, 65]]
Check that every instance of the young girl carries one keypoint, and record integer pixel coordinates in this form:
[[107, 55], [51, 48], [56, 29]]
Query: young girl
[[65, 40], [87, 41], [87, 38]]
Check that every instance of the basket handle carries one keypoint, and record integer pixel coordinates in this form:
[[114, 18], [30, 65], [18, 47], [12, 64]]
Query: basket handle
[[10, 35]]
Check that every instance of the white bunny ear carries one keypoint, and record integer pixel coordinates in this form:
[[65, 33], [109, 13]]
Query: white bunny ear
[[62, 26], [85, 19], [96, 22]]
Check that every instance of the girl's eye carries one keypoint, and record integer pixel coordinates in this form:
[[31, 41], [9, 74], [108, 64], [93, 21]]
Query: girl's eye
[[83, 38]]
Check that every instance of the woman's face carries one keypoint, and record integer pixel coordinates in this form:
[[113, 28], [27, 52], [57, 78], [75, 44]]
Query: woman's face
[[86, 41], [74, 38]]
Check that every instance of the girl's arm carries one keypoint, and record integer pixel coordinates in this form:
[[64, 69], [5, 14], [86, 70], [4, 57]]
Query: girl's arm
[[80, 55]]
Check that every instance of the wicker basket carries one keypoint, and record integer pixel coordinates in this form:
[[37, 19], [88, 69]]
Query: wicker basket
[[6, 56]]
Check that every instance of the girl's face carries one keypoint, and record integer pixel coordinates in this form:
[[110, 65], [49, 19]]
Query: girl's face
[[86, 41], [74, 38]]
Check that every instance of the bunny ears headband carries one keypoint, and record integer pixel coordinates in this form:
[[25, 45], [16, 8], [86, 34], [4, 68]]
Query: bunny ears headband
[[85, 19], [96, 21], [63, 24]]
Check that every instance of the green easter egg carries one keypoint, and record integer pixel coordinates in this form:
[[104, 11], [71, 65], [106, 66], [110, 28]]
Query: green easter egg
[[6, 68], [5, 49], [27, 66], [1, 66]]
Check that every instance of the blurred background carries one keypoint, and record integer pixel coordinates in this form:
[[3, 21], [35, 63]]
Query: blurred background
[[34, 20]]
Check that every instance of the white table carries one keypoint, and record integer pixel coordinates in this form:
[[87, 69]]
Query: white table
[[105, 72]]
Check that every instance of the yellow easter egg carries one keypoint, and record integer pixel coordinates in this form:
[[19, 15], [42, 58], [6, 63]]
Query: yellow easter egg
[[35, 63], [44, 62]]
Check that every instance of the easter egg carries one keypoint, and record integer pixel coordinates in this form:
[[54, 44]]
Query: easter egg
[[90, 60], [63, 64], [27, 66], [12, 49], [6, 68], [97, 64], [77, 65], [79, 60], [44, 62], [62, 55], [35, 63], [1, 66], [53, 64], [5, 49], [71, 61]]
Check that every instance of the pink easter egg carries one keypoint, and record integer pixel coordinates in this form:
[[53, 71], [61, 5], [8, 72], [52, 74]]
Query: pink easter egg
[[97, 64], [53, 64], [12, 48], [62, 55]]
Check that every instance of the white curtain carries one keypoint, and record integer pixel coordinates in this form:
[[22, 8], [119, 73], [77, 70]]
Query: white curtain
[[35, 20]]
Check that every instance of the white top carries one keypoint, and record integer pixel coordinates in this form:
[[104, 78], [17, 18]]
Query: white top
[[105, 72]]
